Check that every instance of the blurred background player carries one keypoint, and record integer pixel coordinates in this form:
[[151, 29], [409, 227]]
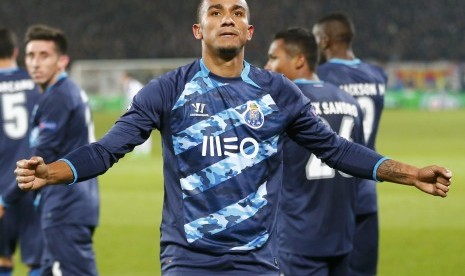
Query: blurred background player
[[20, 220], [367, 83], [61, 123], [316, 222], [131, 86]]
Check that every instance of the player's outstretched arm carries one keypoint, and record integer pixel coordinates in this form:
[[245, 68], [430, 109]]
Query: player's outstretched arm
[[433, 179], [33, 174]]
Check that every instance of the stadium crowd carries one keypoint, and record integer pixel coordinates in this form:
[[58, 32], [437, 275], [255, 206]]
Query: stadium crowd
[[115, 29]]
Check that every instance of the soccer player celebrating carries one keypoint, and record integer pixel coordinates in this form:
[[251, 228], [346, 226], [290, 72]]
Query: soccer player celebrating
[[62, 123], [316, 222], [222, 121], [19, 219], [367, 84]]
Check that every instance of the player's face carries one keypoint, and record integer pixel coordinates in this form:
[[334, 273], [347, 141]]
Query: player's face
[[43, 62], [279, 60], [224, 25]]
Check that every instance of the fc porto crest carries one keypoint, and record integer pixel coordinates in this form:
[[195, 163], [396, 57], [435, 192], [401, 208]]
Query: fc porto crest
[[253, 116]]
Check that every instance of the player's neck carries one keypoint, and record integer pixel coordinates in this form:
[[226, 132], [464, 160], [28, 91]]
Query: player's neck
[[224, 68], [340, 53], [314, 77], [7, 63], [307, 75]]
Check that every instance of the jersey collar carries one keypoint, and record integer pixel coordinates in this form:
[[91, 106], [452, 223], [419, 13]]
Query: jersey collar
[[204, 72], [305, 81], [351, 62], [63, 75], [8, 70]]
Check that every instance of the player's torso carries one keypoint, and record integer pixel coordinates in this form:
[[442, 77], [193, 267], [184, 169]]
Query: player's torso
[[61, 123], [225, 136]]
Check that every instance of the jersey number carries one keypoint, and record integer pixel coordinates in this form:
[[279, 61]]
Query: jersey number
[[15, 115], [368, 108], [315, 168], [89, 122]]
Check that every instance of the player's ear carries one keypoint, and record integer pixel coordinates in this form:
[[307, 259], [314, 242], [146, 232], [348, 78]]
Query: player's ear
[[63, 61], [197, 30], [300, 61], [325, 42], [250, 31]]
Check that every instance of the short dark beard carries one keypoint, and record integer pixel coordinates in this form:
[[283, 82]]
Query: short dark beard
[[229, 53]]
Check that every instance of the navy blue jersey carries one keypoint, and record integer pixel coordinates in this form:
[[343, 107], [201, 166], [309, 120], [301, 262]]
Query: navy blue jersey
[[18, 95], [367, 83], [61, 123], [317, 216], [222, 151]]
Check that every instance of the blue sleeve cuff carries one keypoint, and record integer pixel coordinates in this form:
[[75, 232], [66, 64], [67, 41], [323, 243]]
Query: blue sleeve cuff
[[3, 202], [73, 169], [375, 169]]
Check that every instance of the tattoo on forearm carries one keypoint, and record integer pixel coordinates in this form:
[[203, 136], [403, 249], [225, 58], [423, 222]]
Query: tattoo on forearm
[[393, 171]]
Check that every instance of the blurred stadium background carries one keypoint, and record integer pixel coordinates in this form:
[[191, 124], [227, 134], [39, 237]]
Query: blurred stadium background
[[419, 43]]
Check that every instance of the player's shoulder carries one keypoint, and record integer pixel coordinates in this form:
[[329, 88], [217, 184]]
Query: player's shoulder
[[65, 93], [66, 85], [14, 74], [330, 70], [271, 81], [373, 66], [376, 71], [331, 92], [355, 69], [181, 73], [327, 65], [162, 91]]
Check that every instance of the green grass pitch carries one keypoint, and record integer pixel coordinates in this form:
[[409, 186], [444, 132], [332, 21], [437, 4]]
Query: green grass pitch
[[420, 234]]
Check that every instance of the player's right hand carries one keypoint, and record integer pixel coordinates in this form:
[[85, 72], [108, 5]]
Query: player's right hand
[[31, 174]]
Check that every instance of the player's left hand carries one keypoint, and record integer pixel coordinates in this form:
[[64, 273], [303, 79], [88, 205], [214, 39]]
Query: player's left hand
[[434, 180]]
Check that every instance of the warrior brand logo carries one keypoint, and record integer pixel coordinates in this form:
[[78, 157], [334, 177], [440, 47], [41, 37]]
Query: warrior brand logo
[[199, 108], [253, 116], [230, 146]]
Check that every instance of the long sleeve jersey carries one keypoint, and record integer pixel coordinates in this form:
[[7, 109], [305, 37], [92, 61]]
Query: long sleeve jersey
[[222, 142]]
